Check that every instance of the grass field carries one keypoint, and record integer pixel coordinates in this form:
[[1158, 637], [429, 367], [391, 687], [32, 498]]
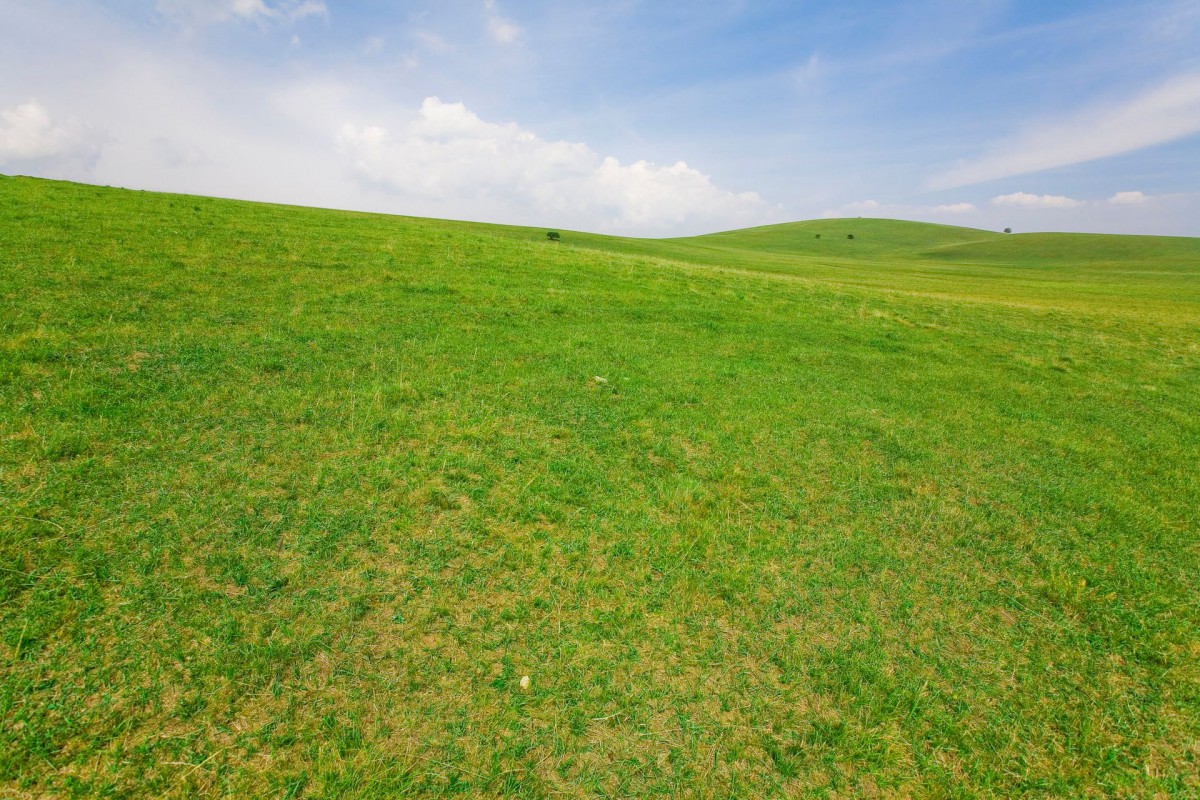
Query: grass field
[[302, 503]]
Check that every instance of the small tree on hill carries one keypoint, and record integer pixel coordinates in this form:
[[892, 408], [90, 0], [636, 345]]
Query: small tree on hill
[[849, 235], [818, 236], [1008, 230], [553, 236]]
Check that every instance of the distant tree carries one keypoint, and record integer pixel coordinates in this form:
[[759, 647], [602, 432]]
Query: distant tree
[[818, 236], [849, 235], [553, 236], [1008, 230]]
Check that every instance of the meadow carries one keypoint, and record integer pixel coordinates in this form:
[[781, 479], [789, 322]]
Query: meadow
[[308, 503]]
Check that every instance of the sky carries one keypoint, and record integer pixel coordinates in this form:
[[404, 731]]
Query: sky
[[635, 117]]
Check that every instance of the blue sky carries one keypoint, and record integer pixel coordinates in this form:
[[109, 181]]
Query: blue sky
[[644, 118]]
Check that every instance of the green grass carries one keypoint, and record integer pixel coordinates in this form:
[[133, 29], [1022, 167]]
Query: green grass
[[291, 500]]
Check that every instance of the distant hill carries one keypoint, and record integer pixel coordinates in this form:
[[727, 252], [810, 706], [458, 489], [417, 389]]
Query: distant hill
[[1140, 253], [871, 237]]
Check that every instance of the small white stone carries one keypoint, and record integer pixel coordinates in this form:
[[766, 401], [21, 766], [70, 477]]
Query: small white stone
[[598, 379], [525, 681]]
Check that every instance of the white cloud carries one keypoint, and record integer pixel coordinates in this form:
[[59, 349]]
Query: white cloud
[[810, 72], [1178, 22], [449, 155], [1026, 200], [1127, 199], [874, 208], [856, 209], [309, 8], [954, 208], [173, 154], [1167, 112], [432, 42], [501, 29], [1159, 214], [198, 13], [30, 138]]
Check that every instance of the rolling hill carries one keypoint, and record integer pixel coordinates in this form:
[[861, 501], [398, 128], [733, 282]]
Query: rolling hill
[[305, 503]]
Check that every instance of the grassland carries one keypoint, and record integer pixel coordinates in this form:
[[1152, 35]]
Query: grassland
[[291, 501]]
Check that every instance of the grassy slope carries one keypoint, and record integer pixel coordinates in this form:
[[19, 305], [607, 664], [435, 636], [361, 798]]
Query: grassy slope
[[291, 499]]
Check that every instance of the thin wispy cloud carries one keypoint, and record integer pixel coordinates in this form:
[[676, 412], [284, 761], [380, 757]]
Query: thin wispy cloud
[[431, 42], [1168, 112], [1178, 20], [193, 13], [809, 72]]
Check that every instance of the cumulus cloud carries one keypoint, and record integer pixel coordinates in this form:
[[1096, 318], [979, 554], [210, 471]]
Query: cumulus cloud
[[1165, 113], [31, 139], [855, 209], [449, 154], [1127, 199], [1026, 200], [874, 208], [199, 13]]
